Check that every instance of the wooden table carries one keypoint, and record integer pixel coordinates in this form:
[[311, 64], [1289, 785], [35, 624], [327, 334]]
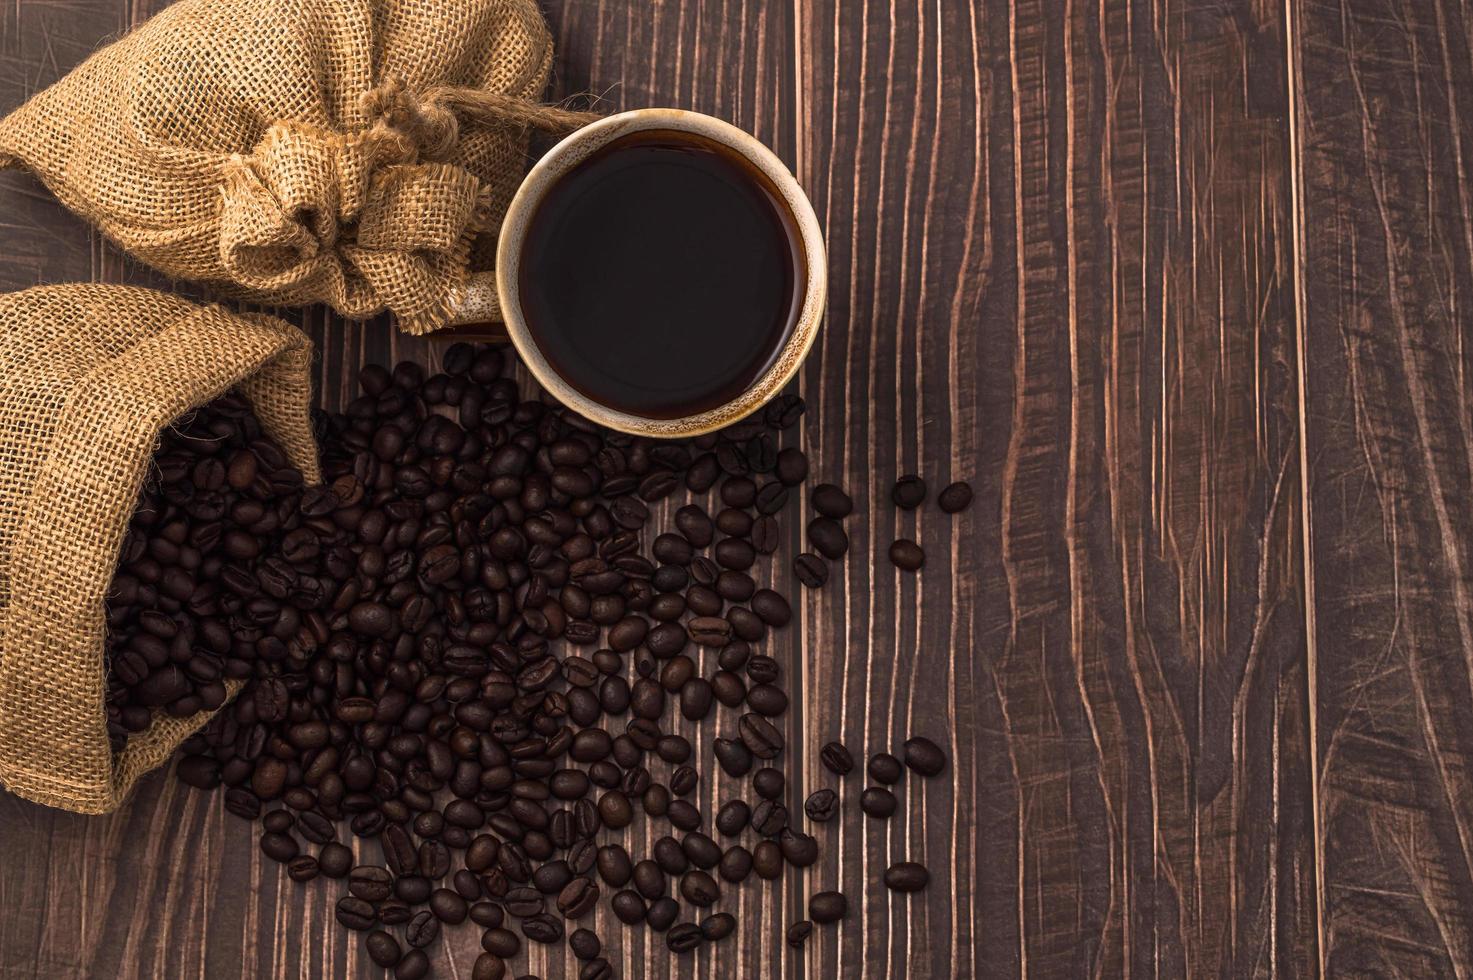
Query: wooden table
[[1184, 288]]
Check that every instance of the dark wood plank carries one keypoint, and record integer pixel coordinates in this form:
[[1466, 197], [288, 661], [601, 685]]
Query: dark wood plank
[[1382, 90], [1059, 233], [1061, 267]]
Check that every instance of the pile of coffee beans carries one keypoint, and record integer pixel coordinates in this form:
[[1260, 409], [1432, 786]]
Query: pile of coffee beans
[[467, 646], [204, 584]]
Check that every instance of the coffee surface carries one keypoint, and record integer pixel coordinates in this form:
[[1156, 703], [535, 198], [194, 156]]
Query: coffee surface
[[662, 276]]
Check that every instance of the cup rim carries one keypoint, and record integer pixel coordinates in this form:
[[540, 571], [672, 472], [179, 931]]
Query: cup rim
[[571, 151]]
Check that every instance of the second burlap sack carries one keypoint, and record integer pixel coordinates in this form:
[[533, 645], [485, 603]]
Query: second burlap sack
[[347, 152], [89, 377]]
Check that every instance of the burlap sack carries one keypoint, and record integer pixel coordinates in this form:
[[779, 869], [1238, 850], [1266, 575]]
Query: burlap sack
[[89, 377], [300, 151]]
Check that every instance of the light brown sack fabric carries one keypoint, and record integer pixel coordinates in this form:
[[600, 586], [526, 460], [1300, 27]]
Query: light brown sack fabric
[[89, 377], [300, 151]]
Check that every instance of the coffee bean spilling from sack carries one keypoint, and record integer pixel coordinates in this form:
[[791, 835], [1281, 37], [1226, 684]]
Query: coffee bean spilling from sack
[[436, 647]]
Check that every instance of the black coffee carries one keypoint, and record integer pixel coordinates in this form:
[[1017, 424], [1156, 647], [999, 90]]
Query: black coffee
[[662, 276]]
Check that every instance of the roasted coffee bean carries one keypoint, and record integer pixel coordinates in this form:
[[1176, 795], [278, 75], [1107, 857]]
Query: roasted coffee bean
[[522, 902], [760, 736], [771, 498], [831, 502], [909, 492], [907, 876], [956, 497], [766, 699], [736, 864], [695, 525], [877, 802], [383, 948], [370, 883], [828, 537], [683, 815], [798, 933], [303, 867], [551, 877], [656, 800], [836, 759], [584, 944], [415, 965], [715, 928], [734, 655], [466, 885], [769, 818], [279, 847], [811, 570], [355, 913], [710, 631], [628, 907], [734, 586], [413, 889], [746, 624], [772, 608], [702, 851], [501, 942], [732, 818], [733, 755], [684, 779], [422, 929], [696, 695], [725, 687], [667, 853], [826, 907], [766, 535], [577, 898], [448, 907], [821, 805], [735, 553], [334, 860], [924, 756], [684, 937], [614, 866], [884, 768], [734, 522], [483, 850], [703, 601], [662, 913], [648, 879], [487, 915], [488, 966], [906, 555], [596, 969], [798, 849], [738, 491], [767, 860], [768, 783]]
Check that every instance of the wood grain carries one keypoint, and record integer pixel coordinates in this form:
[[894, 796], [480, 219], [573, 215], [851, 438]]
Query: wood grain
[[1382, 108], [1180, 288]]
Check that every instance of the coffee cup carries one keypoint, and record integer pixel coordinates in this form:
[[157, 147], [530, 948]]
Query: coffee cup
[[534, 316]]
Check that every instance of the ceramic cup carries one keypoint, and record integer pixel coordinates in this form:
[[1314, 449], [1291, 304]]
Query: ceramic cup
[[564, 157]]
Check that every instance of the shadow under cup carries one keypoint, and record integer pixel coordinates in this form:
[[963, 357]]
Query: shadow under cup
[[661, 272]]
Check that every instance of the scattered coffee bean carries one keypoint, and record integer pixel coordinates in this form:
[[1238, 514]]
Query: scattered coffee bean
[[906, 555], [584, 944], [924, 756], [828, 537], [811, 570], [909, 492], [715, 928], [684, 937], [956, 497], [821, 805], [383, 948], [907, 876], [768, 783], [884, 768], [798, 849], [831, 502], [836, 759], [826, 907], [767, 860], [798, 933], [877, 802]]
